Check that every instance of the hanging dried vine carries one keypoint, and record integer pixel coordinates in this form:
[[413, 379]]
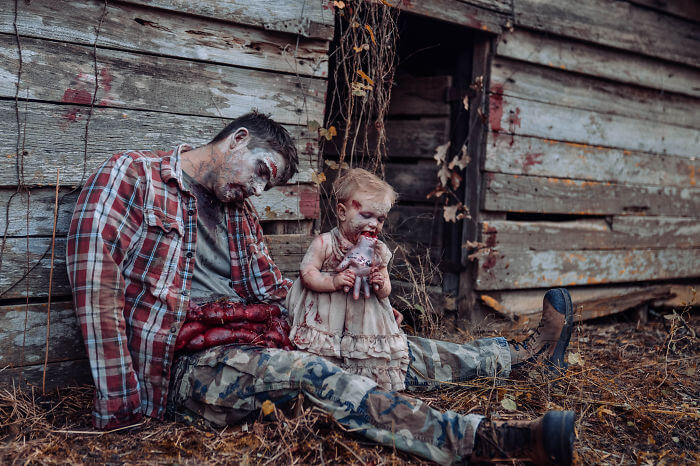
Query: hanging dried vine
[[363, 66]]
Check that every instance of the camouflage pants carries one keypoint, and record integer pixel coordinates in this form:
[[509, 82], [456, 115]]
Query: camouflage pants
[[225, 384]]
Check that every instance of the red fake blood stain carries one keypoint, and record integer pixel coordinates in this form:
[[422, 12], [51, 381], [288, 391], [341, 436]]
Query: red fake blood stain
[[496, 107], [273, 167], [490, 234], [490, 262], [356, 205], [532, 158]]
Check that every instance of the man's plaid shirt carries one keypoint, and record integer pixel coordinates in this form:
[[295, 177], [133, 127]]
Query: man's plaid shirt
[[130, 255]]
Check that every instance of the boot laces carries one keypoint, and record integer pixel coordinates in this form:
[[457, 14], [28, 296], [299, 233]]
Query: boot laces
[[530, 339]]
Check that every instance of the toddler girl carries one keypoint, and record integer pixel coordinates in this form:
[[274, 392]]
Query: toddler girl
[[331, 316]]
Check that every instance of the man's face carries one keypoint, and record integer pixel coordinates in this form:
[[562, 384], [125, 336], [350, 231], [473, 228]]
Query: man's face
[[248, 171]]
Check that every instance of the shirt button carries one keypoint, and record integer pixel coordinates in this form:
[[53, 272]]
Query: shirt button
[[173, 329], [190, 212], [185, 293], [189, 254]]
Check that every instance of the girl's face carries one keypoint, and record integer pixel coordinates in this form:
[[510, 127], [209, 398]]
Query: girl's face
[[364, 212]]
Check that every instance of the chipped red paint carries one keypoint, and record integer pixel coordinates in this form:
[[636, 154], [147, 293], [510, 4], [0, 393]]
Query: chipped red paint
[[309, 203], [72, 115], [77, 96], [106, 79], [496, 107], [532, 158], [309, 149], [356, 205]]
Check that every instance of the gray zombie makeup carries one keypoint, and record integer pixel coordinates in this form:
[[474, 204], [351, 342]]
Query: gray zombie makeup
[[248, 172]]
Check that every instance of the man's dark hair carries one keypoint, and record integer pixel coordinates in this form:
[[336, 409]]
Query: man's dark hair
[[267, 133]]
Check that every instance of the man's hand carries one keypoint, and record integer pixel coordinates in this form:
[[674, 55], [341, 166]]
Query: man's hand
[[344, 279], [398, 316]]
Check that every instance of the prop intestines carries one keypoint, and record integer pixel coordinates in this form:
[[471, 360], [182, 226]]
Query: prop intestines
[[360, 259], [222, 322]]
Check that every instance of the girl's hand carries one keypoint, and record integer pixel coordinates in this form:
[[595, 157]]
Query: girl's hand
[[376, 278], [344, 279], [398, 316]]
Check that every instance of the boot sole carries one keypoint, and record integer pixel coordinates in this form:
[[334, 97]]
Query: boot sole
[[556, 360], [558, 436]]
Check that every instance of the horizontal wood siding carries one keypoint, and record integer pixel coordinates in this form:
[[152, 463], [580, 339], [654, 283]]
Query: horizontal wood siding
[[55, 133], [622, 232], [621, 25], [591, 166], [142, 29], [518, 268], [304, 17], [63, 73], [593, 60], [519, 193]]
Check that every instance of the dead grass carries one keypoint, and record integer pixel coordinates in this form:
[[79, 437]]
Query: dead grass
[[635, 392]]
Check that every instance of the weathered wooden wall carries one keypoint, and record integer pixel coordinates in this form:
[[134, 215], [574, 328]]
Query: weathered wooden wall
[[591, 157], [167, 72], [587, 164]]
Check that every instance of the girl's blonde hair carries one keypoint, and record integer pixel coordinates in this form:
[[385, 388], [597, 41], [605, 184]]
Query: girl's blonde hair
[[358, 179]]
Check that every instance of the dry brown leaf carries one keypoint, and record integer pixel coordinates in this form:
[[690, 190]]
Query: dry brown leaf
[[437, 192], [371, 33], [460, 161], [318, 178], [444, 175], [328, 133], [455, 180], [452, 213], [441, 153], [364, 76]]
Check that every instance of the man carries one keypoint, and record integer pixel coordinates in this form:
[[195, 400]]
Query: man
[[152, 230]]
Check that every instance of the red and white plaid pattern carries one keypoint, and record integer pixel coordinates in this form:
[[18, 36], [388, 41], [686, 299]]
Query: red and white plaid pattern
[[130, 257]]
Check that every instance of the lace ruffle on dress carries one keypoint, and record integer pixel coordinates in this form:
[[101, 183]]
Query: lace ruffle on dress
[[359, 335]]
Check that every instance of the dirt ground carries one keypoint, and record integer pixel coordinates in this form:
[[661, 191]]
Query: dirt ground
[[634, 388]]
